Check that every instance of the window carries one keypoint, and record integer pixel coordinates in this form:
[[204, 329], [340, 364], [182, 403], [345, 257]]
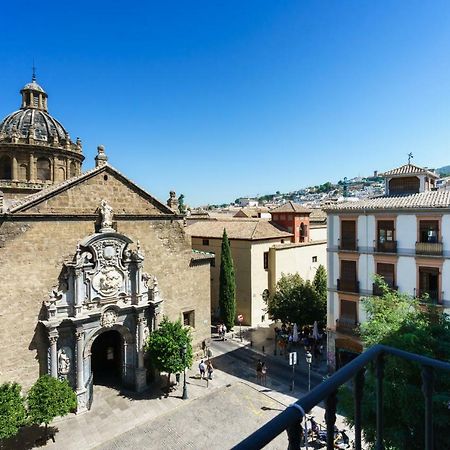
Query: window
[[73, 169], [43, 169], [385, 236], [5, 168], [189, 318], [314, 259], [429, 231], [404, 185], [205, 242], [387, 271], [303, 232], [348, 235], [266, 260], [429, 283]]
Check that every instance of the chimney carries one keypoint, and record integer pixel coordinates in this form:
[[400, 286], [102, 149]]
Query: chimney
[[101, 159]]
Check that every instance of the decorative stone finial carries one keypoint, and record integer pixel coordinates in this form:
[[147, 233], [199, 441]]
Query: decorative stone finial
[[79, 144], [172, 202], [101, 159], [107, 215]]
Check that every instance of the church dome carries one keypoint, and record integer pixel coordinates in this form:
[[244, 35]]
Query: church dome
[[33, 123], [22, 123]]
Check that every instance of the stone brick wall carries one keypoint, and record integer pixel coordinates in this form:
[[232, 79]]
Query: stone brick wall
[[31, 259]]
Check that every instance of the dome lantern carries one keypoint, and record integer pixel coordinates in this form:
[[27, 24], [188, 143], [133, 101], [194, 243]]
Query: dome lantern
[[33, 96]]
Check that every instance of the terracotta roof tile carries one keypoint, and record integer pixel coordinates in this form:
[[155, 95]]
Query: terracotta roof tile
[[422, 200], [409, 169], [290, 207], [249, 229]]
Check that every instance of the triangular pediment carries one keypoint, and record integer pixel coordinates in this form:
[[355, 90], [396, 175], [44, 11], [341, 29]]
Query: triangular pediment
[[82, 195]]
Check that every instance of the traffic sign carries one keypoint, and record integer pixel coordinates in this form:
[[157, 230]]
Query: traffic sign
[[292, 358], [240, 317]]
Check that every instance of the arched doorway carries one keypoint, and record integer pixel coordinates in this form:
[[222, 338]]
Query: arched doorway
[[106, 358]]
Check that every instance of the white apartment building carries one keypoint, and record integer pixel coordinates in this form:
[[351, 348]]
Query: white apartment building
[[403, 236]]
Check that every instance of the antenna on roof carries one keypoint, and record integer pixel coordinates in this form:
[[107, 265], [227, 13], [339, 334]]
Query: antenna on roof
[[33, 77], [410, 156]]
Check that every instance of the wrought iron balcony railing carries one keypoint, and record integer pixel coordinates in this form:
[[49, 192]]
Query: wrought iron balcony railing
[[376, 289], [290, 419], [346, 325], [348, 244], [429, 248], [430, 296], [386, 246], [347, 285]]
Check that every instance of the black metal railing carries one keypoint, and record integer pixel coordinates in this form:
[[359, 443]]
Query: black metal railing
[[347, 285], [377, 290], [348, 244], [346, 325], [430, 296], [429, 248], [386, 246], [290, 419]]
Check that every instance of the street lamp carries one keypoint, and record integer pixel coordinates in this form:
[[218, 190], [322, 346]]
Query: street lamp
[[183, 354], [309, 361]]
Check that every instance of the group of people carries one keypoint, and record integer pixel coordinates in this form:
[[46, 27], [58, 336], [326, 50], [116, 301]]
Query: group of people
[[206, 369], [221, 330], [285, 339]]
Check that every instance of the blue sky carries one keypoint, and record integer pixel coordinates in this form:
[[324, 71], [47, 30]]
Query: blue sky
[[220, 99]]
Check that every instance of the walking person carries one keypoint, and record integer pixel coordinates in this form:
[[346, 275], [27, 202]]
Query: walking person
[[264, 373], [209, 369], [202, 369], [259, 367]]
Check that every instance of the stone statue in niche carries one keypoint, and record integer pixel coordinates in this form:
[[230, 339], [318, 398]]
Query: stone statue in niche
[[63, 362], [107, 214], [109, 318]]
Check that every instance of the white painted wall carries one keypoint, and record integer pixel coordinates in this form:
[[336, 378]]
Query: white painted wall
[[318, 233], [446, 280], [406, 231], [446, 235], [334, 238], [366, 230], [406, 274]]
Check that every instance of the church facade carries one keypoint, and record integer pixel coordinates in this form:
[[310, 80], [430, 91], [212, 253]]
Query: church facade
[[89, 262]]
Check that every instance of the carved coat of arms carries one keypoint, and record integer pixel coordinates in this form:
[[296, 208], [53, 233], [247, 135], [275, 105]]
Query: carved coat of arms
[[108, 281]]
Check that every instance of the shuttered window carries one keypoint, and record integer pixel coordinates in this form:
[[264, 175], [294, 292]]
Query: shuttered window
[[348, 311], [348, 270], [387, 271], [348, 234]]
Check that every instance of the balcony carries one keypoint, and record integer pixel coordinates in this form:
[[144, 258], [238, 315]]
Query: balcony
[[347, 285], [290, 419], [430, 297], [377, 291], [346, 325], [386, 246], [429, 248], [348, 245]]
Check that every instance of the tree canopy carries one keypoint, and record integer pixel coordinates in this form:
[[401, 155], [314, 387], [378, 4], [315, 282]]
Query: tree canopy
[[164, 347], [399, 321], [227, 285], [49, 398], [298, 301], [12, 409]]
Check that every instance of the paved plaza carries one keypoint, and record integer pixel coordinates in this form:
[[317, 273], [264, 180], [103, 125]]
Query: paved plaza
[[217, 415]]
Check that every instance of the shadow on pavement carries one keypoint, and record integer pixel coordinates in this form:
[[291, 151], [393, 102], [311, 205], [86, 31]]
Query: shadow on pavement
[[28, 438]]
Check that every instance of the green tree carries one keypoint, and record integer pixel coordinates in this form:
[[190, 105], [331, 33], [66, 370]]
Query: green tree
[[164, 347], [296, 301], [397, 320], [320, 283], [49, 398], [227, 285], [12, 410]]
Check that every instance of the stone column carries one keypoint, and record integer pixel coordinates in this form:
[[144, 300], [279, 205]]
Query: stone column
[[80, 359], [53, 337], [78, 288], [67, 168], [54, 169], [140, 372], [15, 174], [31, 171]]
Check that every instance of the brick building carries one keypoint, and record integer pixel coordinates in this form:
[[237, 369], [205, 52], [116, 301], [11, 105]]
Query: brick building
[[89, 261]]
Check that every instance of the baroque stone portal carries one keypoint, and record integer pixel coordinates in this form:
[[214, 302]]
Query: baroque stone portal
[[102, 288]]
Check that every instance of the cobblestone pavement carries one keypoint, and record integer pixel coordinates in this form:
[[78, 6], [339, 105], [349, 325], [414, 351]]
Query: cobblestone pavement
[[232, 402]]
